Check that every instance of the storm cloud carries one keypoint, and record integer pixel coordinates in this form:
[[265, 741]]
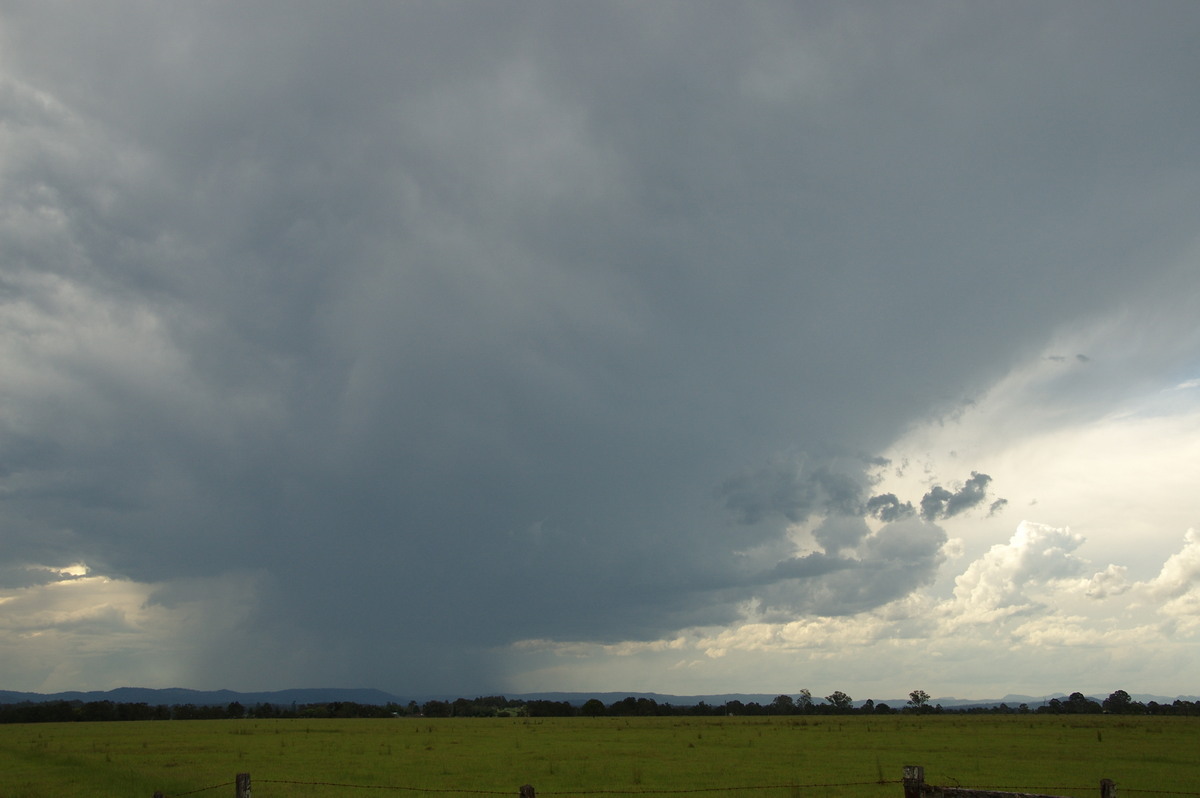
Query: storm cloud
[[942, 503], [387, 336]]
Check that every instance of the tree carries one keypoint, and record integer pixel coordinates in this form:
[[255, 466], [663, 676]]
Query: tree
[[264, 710], [1079, 704], [840, 701], [1118, 703], [626, 706], [782, 705], [918, 700], [593, 708], [542, 708], [804, 701], [647, 707], [436, 709]]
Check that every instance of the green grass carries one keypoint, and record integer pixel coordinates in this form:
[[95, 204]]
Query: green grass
[[786, 756]]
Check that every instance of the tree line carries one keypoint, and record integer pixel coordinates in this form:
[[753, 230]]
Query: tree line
[[836, 703]]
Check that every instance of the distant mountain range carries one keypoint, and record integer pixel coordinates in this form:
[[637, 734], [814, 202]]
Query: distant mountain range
[[177, 696], [173, 696]]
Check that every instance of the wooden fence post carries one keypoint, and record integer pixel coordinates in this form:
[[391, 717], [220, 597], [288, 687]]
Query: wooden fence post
[[243, 785], [914, 780], [527, 791], [1108, 788]]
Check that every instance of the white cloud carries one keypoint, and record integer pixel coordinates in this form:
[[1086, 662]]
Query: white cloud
[[1178, 585], [1075, 631], [625, 648], [1111, 581], [995, 586], [1181, 572]]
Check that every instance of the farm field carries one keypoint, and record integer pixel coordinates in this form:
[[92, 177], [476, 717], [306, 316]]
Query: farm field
[[767, 757]]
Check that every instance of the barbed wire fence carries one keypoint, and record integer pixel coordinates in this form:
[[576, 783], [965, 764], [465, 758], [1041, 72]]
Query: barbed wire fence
[[913, 782], [543, 794]]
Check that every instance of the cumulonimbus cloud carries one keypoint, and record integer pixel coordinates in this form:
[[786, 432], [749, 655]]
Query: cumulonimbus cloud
[[400, 310]]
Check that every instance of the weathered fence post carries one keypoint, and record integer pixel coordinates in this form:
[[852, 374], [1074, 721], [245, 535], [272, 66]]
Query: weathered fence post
[[914, 779], [527, 791], [243, 785], [914, 787]]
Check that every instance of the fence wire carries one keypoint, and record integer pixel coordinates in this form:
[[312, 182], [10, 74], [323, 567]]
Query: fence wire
[[1049, 790], [203, 789], [876, 782], [760, 787], [460, 791], [383, 787]]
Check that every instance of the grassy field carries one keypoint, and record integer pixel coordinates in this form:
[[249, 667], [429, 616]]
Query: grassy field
[[788, 757]]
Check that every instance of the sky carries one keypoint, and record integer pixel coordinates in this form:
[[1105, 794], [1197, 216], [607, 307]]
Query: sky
[[689, 347]]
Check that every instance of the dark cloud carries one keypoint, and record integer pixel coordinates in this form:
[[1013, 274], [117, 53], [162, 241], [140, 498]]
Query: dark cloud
[[838, 532], [475, 326], [942, 503], [17, 576], [886, 507], [810, 566], [888, 565], [933, 503], [796, 490], [856, 569]]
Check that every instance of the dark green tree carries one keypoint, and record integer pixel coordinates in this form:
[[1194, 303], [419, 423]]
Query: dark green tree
[[436, 709], [593, 708], [1118, 703], [541, 708], [839, 701], [918, 701], [782, 705], [1079, 704]]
